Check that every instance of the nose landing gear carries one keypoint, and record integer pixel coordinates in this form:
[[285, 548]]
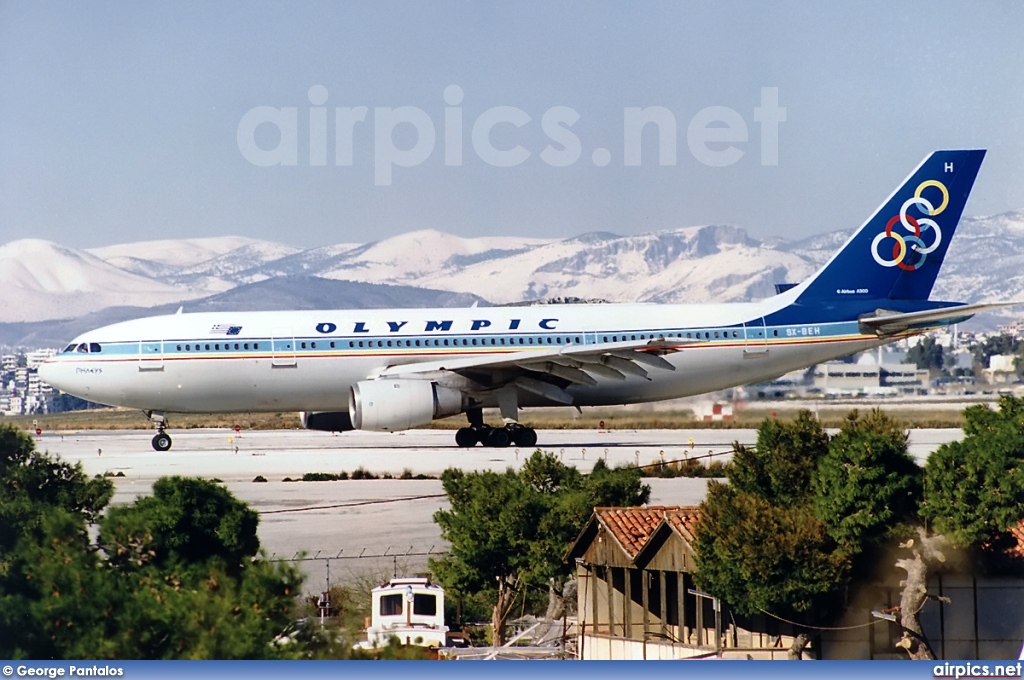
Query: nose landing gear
[[162, 440]]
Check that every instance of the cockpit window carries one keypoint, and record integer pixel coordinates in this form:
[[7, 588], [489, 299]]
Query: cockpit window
[[94, 348], [83, 348], [70, 348]]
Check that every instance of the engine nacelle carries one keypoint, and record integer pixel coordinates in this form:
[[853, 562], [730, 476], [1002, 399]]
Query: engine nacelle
[[393, 405], [327, 421]]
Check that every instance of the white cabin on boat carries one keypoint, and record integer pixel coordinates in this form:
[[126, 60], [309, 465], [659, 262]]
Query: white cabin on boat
[[411, 609]]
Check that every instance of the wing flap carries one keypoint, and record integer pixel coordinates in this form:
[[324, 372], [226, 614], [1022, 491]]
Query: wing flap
[[575, 363]]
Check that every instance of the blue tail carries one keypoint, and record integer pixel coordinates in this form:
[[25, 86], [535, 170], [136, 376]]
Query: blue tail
[[897, 253]]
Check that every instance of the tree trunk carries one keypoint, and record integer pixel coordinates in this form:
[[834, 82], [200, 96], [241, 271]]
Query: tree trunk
[[556, 605], [924, 552], [796, 650], [506, 596]]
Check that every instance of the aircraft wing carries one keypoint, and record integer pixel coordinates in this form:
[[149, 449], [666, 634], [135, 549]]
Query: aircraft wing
[[545, 371], [888, 323]]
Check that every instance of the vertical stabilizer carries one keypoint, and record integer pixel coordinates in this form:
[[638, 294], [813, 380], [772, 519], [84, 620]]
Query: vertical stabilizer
[[897, 253]]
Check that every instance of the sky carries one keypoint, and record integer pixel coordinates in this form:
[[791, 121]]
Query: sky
[[127, 121]]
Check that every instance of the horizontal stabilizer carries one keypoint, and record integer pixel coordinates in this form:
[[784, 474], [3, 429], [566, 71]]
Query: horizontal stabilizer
[[888, 323]]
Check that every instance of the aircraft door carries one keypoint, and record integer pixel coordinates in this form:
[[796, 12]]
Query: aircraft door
[[755, 344], [283, 351], [151, 355]]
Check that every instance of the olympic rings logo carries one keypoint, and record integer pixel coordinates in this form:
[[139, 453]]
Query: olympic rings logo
[[903, 243]]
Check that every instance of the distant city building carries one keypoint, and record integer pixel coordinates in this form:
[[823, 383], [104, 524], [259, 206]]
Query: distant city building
[[1001, 369], [35, 359], [21, 390]]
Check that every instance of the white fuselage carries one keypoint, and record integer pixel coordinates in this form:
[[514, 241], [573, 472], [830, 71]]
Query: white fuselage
[[308, 360]]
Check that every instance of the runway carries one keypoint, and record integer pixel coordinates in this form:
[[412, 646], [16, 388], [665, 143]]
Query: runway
[[372, 524]]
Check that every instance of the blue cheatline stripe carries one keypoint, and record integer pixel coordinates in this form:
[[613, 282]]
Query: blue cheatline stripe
[[354, 345]]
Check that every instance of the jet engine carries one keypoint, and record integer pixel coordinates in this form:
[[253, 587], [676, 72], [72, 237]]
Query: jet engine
[[326, 421], [393, 405]]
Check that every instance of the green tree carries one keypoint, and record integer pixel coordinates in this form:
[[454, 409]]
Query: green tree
[[46, 507], [867, 485], [974, 488], [509, 530], [763, 557], [186, 520], [177, 575], [780, 468], [926, 354], [759, 544]]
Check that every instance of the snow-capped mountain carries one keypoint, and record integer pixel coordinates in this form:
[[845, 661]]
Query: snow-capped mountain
[[690, 264], [43, 280]]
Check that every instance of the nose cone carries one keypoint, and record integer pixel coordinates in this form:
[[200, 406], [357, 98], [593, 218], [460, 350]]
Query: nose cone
[[47, 373], [57, 374]]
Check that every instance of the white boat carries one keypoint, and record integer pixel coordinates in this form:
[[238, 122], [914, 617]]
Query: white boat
[[411, 609]]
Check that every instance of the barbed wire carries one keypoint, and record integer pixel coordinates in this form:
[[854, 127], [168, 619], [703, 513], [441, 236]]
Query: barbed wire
[[361, 556]]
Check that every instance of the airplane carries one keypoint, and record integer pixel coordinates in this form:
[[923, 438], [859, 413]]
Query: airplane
[[398, 369]]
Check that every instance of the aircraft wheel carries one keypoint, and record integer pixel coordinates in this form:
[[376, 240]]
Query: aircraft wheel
[[162, 442], [524, 437], [466, 437], [498, 437]]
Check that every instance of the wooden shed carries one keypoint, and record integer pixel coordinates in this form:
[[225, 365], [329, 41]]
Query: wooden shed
[[637, 598]]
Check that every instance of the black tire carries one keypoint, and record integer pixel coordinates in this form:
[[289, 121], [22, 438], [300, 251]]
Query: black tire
[[524, 437], [162, 442], [466, 437], [498, 437]]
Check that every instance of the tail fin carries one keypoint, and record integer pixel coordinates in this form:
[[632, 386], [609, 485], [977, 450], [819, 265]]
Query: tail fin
[[897, 253]]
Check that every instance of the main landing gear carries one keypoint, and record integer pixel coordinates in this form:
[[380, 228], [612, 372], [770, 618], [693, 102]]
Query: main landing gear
[[162, 440], [495, 437]]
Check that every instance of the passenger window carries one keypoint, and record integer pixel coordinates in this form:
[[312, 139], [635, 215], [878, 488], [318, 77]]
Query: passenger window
[[389, 343], [207, 347], [332, 344], [247, 345], [312, 345], [776, 333], [303, 345], [217, 346], [716, 334], [256, 346], [445, 342], [179, 348], [360, 343]]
